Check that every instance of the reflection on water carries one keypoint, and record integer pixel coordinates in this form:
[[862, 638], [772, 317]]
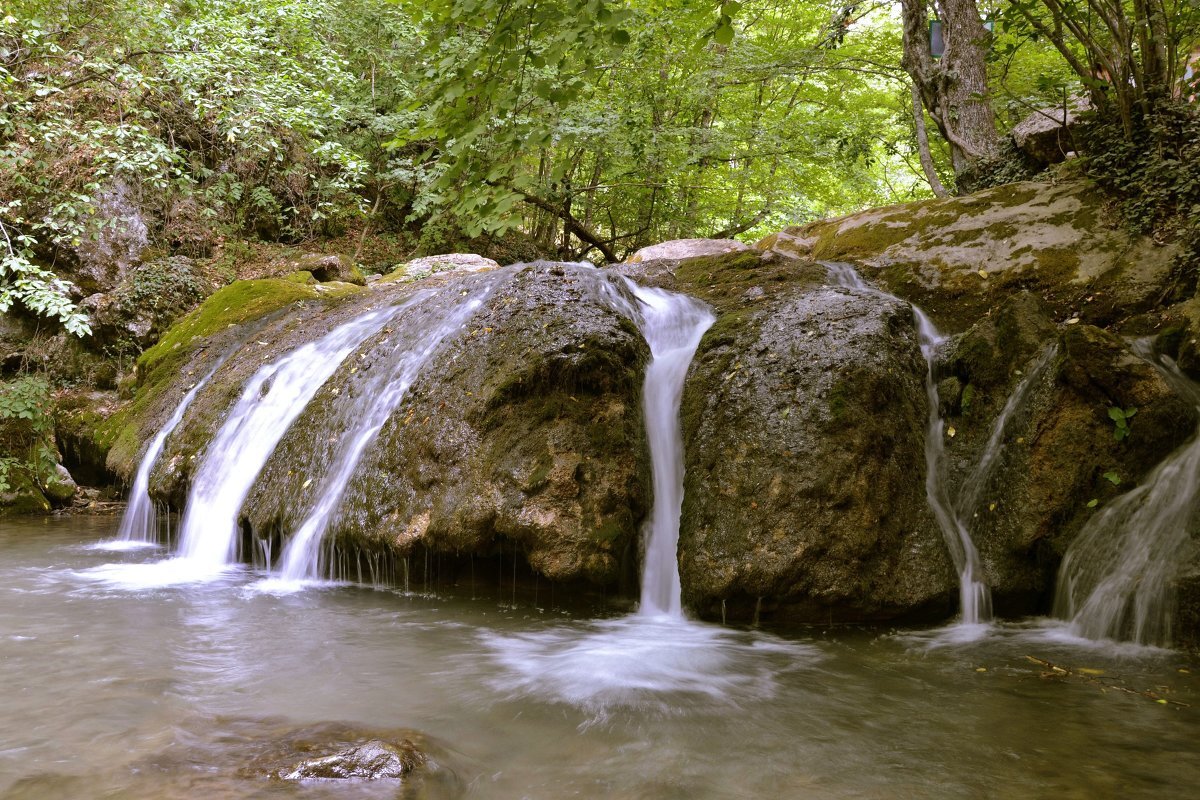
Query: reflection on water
[[117, 685]]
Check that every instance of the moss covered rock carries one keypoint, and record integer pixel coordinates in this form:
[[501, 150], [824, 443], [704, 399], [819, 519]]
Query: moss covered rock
[[803, 422], [23, 495], [959, 257], [521, 433], [187, 351]]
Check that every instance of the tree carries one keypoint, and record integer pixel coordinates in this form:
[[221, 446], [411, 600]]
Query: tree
[[954, 87]]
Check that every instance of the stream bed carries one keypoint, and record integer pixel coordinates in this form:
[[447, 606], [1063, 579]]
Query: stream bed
[[113, 688]]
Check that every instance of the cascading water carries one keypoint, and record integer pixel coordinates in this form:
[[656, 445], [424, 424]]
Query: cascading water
[[972, 488], [301, 556], [975, 599], [139, 525], [1115, 581], [269, 403], [672, 325]]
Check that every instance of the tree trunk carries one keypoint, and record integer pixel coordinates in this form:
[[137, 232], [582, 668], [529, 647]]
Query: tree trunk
[[954, 87], [935, 182]]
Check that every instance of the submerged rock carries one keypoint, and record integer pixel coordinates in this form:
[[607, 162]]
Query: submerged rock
[[370, 761]]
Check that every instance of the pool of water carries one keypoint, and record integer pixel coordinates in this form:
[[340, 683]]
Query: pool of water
[[118, 686]]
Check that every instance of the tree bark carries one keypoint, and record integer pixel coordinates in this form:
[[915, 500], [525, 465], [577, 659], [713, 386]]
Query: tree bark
[[953, 88], [935, 182]]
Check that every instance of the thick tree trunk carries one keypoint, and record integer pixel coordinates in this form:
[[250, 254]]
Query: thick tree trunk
[[953, 88]]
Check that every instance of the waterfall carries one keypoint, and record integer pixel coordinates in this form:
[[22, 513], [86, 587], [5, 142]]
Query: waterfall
[[975, 599], [976, 482], [269, 403], [139, 525], [672, 325], [301, 556], [1115, 581]]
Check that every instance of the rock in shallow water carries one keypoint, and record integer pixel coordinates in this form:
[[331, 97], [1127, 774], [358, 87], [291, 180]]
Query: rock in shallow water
[[370, 761]]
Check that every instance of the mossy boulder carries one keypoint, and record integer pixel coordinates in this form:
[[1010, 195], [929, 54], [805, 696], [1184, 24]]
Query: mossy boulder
[[959, 257], [1057, 460], [330, 268], [144, 303], [23, 495], [803, 421], [522, 433], [185, 353]]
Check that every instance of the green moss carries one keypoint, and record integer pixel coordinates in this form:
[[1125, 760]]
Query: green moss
[[24, 496], [300, 276], [611, 530], [541, 471], [237, 303]]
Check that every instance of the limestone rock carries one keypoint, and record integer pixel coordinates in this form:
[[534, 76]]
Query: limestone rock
[[803, 422], [60, 487], [121, 234], [677, 249], [371, 761], [23, 495], [448, 262], [960, 257], [330, 268], [1048, 134]]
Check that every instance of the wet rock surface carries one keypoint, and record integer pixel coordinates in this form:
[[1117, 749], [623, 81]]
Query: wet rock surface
[[803, 422], [960, 257], [369, 761], [523, 432]]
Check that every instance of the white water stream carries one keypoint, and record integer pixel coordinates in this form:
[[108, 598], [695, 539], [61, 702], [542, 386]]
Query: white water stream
[[139, 524], [1115, 581], [975, 600], [300, 560], [672, 325]]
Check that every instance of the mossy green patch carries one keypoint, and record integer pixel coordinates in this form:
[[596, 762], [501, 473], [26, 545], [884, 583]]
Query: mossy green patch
[[237, 303]]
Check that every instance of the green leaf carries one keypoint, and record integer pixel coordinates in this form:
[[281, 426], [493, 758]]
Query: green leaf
[[1112, 478], [724, 31], [1092, 503]]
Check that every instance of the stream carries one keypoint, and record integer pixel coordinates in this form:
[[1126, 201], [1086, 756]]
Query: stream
[[113, 689]]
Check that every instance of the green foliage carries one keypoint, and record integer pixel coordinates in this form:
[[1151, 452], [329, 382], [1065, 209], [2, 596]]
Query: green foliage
[[26, 429], [1120, 418]]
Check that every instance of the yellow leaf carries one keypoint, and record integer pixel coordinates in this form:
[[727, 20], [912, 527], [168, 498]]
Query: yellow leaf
[[1090, 671], [951, 432], [1073, 321], [307, 484], [982, 273]]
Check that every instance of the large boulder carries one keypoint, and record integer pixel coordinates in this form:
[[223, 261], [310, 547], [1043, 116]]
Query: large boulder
[[1048, 135], [1055, 461], [677, 249], [959, 257], [804, 418], [119, 234], [521, 434], [332, 267], [146, 301]]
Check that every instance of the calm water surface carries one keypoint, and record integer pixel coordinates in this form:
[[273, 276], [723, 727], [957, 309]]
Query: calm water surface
[[112, 688]]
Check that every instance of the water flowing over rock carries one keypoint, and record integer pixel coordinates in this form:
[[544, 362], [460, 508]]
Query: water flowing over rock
[[140, 520], [672, 325], [1116, 580], [384, 390], [268, 404], [803, 420], [519, 439], [975, 600]]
